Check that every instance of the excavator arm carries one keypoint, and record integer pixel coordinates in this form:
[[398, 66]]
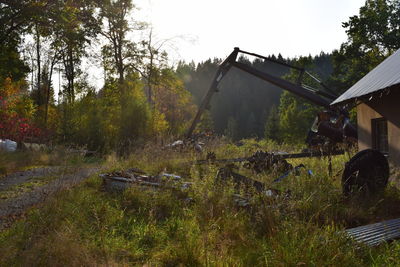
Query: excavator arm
[[320, 98]]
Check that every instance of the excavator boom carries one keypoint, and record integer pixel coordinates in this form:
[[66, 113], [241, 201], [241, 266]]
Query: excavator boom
[[319, 98]]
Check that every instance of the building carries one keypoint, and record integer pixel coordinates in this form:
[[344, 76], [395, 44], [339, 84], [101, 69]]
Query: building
[[377, 96]]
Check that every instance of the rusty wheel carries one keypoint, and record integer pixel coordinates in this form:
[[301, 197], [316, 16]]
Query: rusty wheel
[[366, 172]]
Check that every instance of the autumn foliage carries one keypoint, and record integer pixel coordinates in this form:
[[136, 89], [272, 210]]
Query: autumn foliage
[[16, 114]]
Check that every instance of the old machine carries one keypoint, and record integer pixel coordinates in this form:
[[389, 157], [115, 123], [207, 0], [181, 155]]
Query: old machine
[[330, 134]]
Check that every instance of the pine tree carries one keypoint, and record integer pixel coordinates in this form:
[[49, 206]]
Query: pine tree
[[271, 130], [231, 130]]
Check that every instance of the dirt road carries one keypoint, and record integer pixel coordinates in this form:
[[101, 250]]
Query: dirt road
[[14, 207]]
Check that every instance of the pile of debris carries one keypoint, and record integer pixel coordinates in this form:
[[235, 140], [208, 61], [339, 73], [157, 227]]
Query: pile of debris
[[121, 180]]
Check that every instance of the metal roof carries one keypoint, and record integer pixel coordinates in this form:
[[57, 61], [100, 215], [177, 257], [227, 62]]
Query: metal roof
[[384, 75], [377, 233]]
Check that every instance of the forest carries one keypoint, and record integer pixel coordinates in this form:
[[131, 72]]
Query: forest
[[96, 105], [48, 49]]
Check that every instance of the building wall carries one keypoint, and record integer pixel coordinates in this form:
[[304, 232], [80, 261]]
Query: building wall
[[387, 106]]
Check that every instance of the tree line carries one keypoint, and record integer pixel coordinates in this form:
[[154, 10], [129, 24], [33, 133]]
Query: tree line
[[143, 96], [248, 107]]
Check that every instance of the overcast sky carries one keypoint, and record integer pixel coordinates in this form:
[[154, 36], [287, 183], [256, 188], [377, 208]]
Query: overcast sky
[[211, 28]]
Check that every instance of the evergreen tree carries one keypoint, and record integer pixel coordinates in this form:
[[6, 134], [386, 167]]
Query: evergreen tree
[[251, 126], [206, 123], [232, 129], [272, 125]]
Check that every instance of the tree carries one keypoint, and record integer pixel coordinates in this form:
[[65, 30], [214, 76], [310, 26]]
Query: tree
[[16, 112], [172, 100], [16, 17], [13, 23], [272, 125], [156, 60], [295, 113], [373, 35], [76, 25], [296, 116], [121, 54], [206, 123], [232, 129], [251, 126]]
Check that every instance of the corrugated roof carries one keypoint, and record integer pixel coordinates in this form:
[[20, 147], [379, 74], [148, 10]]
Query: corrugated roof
[[384, 75]]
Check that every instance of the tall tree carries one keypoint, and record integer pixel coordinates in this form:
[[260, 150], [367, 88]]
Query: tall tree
[[76, 25], [172, 100], [231, 130], [121, 53], [155, 61], [16, 17], [373, 35], [295, 113], [272, 125]]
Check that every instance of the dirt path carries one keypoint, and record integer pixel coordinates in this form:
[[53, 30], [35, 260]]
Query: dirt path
[[23, 176], [12, 208]]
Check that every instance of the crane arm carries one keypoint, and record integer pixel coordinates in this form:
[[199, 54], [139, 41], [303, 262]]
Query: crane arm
[[318, 98]]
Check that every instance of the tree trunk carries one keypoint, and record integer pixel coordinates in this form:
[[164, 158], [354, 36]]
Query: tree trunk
[[69, 67], [38, 66], [53, 62]]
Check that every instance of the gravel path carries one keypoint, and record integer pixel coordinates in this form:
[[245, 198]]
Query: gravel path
[[12, 208], [23, 176]]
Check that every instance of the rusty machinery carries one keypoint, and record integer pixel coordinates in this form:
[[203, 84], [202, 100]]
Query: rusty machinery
[[332, 124], [367, 171]]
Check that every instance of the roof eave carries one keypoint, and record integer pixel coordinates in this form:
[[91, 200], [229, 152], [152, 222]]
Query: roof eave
[[367, 97]]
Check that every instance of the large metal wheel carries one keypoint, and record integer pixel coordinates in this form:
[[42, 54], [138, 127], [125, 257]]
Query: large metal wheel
[[367, 173]]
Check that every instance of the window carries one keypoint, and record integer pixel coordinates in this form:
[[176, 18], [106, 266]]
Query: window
[[380, 135]]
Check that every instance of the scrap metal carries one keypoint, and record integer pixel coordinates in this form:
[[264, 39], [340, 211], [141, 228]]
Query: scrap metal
[[226, 173], [281, 155], [123, 179], [295, 170], [263, 161], [377, 233]]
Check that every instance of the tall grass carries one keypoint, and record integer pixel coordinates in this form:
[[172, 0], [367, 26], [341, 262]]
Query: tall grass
[[203, 226], [22, 160]]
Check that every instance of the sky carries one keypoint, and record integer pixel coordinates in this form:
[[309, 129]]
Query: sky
[[202, 29]]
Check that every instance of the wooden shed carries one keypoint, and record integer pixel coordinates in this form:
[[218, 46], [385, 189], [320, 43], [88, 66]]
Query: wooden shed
[[377, 96]]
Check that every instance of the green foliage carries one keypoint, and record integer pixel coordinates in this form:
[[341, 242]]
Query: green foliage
[[109, 120], [173, 100], [91, 227], [244, 97], [206, 122], [232, 129], [239, 94], [296, 116], [272, 130], [135, 113], [120, 55], [11, 65], [143, 97], [295, 113], [119, 117], [373, 35]]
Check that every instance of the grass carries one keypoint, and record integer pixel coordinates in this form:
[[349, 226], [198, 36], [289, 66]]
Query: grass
[[29, 185], [23, 160], [90, 227]]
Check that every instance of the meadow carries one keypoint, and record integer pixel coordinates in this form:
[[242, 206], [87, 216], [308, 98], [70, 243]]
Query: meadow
[[204, 225]]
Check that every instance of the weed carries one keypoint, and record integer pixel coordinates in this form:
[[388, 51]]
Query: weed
[[87, 226]]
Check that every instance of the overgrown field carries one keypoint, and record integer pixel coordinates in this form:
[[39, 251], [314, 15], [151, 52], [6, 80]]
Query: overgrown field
[[203, 226]]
